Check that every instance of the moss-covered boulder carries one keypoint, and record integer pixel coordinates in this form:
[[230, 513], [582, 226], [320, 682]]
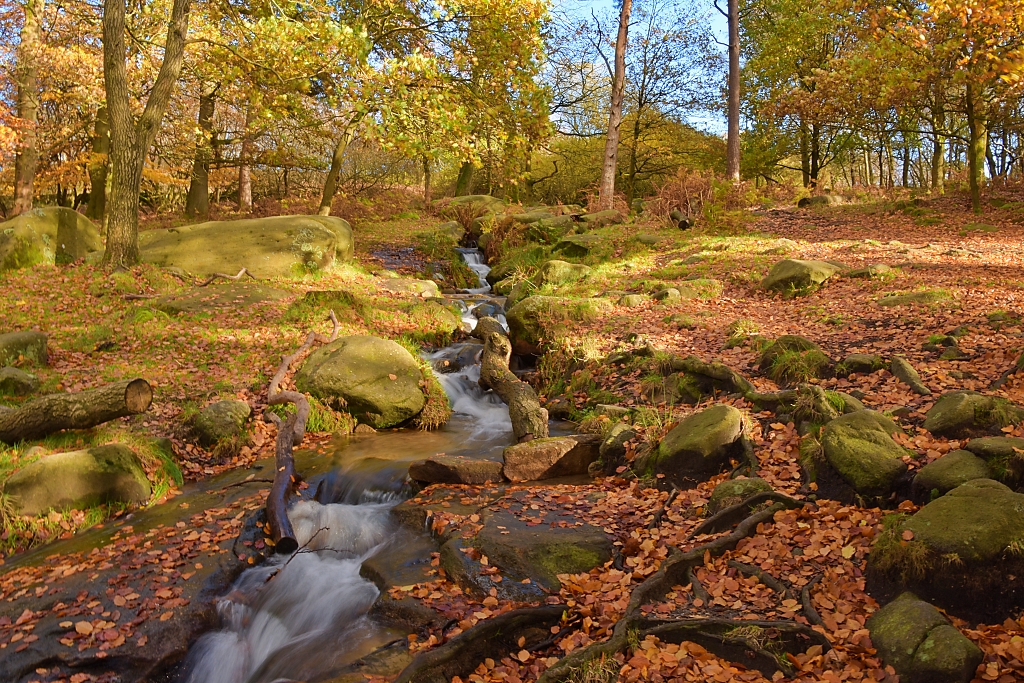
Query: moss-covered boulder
[[278, 246], [50, 235], [903, 371], [792, 358], [557, 456], [537, 320], [924, 298], [542, 552], [219, 297], [557, 272], [599, 219], [612, 452], [483, 203], [962, 552], [79, 480], [220, 421], [794, 274], [577, 246], [15, 382], [860, 450], [696, 449], [1004, 455], [967, 412], [448, 469], [862, 363], [733, 491], [632, 300], [922, 646], [23, 348], [948, 472], [376, 380]]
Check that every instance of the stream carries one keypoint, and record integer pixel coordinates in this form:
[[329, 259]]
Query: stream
[[303, 617]]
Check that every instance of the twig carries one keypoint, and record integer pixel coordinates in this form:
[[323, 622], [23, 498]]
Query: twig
[[699, 592], [805, 599], [656, 520], [139, 297], [762, 576], [216, 276]]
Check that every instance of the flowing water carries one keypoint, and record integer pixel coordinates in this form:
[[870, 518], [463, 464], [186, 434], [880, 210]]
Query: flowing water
[[304, 616]]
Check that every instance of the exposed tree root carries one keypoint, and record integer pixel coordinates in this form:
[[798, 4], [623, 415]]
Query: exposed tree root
[[677, 570], [494, 638], [221, 276], [762, 576], [660, 514], [750, 464], [529, 419], [805, 600], [734, 514], [290, 433]]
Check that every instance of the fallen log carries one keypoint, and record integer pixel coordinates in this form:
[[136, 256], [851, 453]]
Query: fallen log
[[290, 433], [79, 410], [529, 419]]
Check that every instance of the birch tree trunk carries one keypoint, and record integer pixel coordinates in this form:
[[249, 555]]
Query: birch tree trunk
[[733, 140], [131, 138], [611, 147], [28, 106]]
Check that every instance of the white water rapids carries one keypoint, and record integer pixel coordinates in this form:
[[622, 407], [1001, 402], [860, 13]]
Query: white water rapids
[[303, 616]]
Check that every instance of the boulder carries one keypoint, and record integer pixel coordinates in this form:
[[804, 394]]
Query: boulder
[[534, 321], [422, 288], [480, 202], [905, 372], [612, 451], [79, 480], [793, 274], [632, 300], [922, 646], [1004, 454], [15, 382], [23, 348], [860, 449], [559, 273], [870, 271], [376, 380], [911, 298], [452, 230], [447, 469], [557, 456], [50, 235], [577, 246], [599, 219], [964, 412], [696, 449], [813, 359], [862, 363], [948, 472], [649, 240], [221, 297], [534, 216], [820, 200], [220, 421], [278, 246], [733, 491]]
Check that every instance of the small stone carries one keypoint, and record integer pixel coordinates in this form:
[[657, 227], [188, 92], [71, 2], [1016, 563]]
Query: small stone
[[15, 382]]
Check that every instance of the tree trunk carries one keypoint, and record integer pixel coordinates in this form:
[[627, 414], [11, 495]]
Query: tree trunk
[[631, 176], [815, 154], [244, 170], [733, 140], [606, 198], [130, 139], [805, 155], [976, 148], [98, 167], [529, 419], [426, 179], [28, 106], [939, 152], [464, 183], [197, 203], [331, 183], [82, 410]]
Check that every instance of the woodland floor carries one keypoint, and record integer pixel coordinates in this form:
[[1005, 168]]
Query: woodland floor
[[96, 335]]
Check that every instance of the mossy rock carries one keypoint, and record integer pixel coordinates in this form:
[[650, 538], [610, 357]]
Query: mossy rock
[[15, 382], [860, 449], [915, 298], [49, 235], [278, 246], [632, 300], [821, 200], [967, 412], [948, 472], [577, 246], [862, 363], [422, 288], [792, 275], [23, 348], [792, 358], [480, 202], [599, 219], [1004, 454], [220, 421], [218, 297], [920, 644], [557, 456], [872, 270], [536, 321], [534, 216], [557, 272], [733, 491], [79, 480], [376, 380], [612, 451], [447, 469], [787, 342], [696, 449]]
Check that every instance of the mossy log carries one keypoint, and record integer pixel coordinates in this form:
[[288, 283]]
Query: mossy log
[[80, 410], [493, 638], [529, 419]]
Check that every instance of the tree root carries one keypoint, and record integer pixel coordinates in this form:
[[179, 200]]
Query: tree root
[[805, 600], [697, 588], [529, 419], [290, 433], [494, 638], [749, 466], [675, 570], [762, 576], [734, 514], [243, 272], [660, 514]]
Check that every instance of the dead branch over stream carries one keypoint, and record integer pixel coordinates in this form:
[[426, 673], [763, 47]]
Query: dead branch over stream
[[529, 419]]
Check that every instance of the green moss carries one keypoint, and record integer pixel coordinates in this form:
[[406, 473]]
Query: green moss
[[438, 409], [797, 366], [921, 298], [893, 555]]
